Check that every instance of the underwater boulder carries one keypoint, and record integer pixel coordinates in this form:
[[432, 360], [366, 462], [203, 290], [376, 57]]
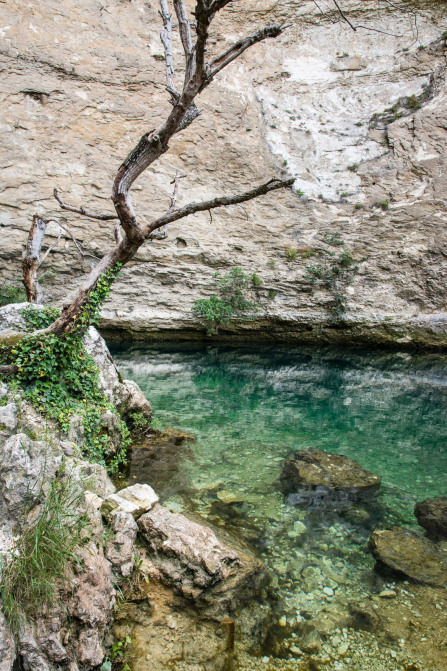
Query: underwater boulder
[[317, 478], [217, 577], [406, 553], [432, 515]]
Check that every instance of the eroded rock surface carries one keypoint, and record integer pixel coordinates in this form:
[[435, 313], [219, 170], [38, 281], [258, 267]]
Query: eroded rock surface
[[302, 105], [190, 557], [432, 515], [409, 554], [316, 477]]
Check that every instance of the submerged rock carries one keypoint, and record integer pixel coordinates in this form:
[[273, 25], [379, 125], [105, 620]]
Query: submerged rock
[[432, 515], [190, 557], [316, 477], [405, 552]]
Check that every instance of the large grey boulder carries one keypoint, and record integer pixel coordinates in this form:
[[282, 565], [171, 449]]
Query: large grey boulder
[[432, 515], [317, 477], [7, 646], [8, 421], [10, 317], [25, 465], [406, 553], [189, 556], [125, 395]]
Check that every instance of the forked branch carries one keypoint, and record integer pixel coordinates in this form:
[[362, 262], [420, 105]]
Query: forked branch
[[192, 208]]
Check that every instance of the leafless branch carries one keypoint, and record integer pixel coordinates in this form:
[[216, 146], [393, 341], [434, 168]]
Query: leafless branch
[[240, 46], [76, 242], [153, 144], [50, 249], [185, 28], [6, 370], [343, 17], [81, 210], [221, 201], [166, 39], [162, 232]]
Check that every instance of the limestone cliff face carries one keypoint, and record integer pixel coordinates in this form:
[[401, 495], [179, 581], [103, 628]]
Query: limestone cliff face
[[82, 81]]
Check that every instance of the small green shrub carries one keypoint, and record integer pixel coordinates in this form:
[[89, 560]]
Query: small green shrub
[[291, 254], [271, 263], [234, 288], [333, 238], [257, 282], [354, 167], [10, 294], [384, 204], [334, 273], [119, 656], [34, 572]]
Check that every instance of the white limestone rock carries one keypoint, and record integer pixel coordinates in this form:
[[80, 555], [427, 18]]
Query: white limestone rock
[[136, 500]]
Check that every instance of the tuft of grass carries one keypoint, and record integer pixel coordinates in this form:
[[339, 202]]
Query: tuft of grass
[[384, 204], [256, 280], [33, 575], [291, 254]]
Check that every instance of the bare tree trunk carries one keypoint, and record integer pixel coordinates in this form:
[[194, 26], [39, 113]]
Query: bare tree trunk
[[198, 75], [32, 260]]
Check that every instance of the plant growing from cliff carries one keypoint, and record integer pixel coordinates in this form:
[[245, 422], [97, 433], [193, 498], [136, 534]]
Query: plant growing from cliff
[[335, 272], [234, 290], [36, 569]]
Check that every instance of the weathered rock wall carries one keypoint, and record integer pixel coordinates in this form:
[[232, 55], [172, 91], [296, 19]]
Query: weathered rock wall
[[82, 83]]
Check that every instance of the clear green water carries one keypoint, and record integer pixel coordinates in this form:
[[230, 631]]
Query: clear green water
[[250, 409]]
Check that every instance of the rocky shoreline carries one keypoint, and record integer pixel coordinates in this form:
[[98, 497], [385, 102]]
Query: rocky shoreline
[[173, 590], [425, 332]]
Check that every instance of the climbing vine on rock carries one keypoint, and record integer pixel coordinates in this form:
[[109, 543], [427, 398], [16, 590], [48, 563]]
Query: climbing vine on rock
[[59, 377], [335, 272]]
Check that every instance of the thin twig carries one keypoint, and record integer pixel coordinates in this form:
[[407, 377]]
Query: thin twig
[[184, 27], [50, 249], [240, 46], [81, 210], [76, 243]]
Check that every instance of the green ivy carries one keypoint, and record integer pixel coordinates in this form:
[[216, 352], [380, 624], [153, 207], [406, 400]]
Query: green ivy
[[234, 288], [59, 377]]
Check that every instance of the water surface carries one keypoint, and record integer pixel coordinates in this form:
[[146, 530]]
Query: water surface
[[250, 409]]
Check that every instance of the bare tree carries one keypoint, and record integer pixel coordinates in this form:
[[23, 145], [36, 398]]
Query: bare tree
[[130, 234]]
